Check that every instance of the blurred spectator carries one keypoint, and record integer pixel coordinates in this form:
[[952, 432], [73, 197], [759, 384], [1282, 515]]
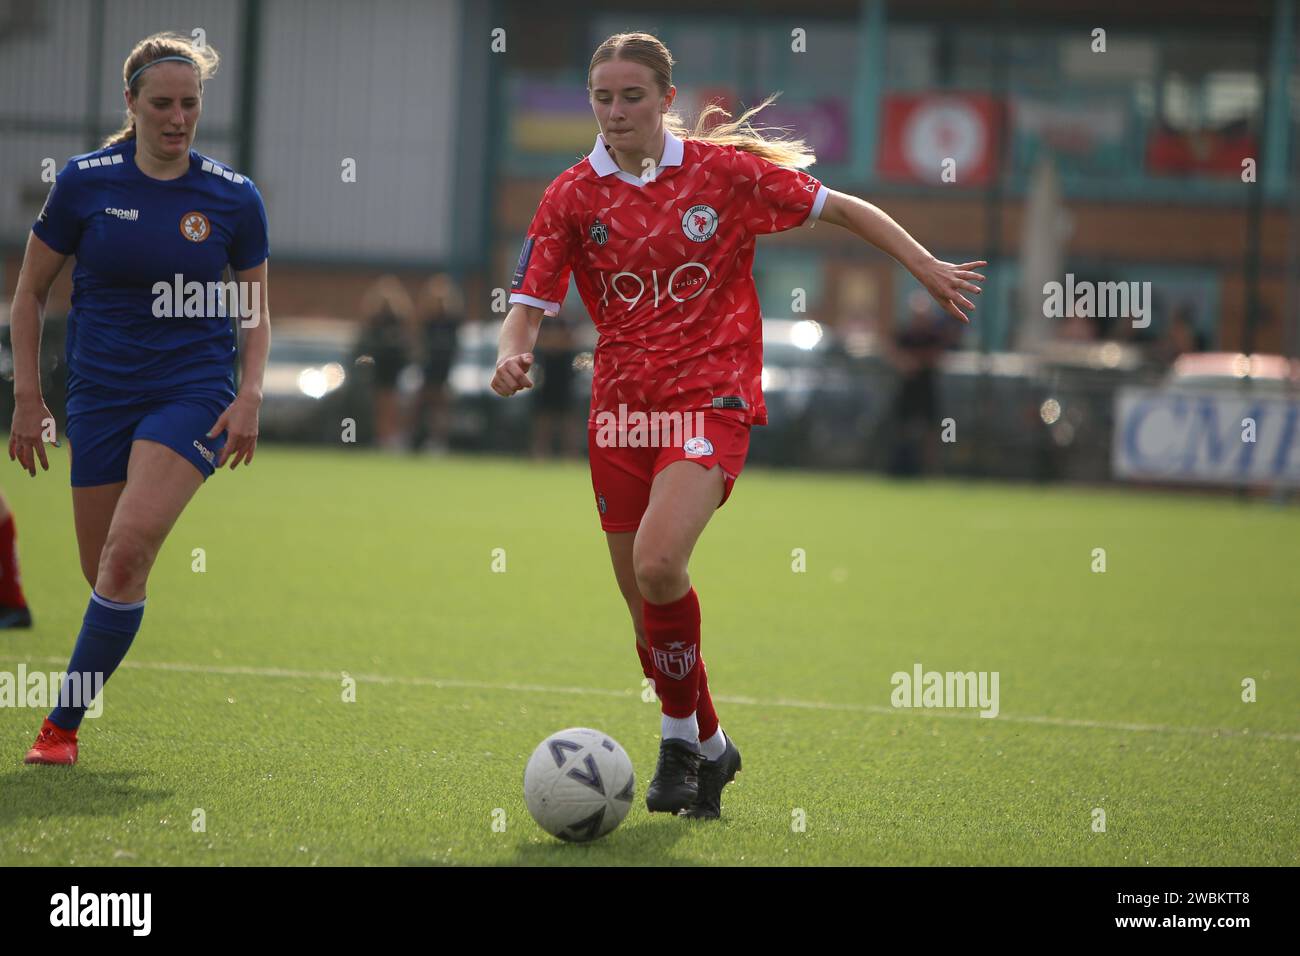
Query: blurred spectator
[[385, 340], [856, 328], [1078, 328], [1180, 336], [914, 351], [439, 316], [553, 407]]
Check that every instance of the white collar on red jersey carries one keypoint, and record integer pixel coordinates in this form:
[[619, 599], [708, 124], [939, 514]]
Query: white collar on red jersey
[[603, 163]]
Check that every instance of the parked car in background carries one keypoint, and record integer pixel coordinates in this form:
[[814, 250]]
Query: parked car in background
[[820, 411], [816, 409], [480, 419], [312, 383]]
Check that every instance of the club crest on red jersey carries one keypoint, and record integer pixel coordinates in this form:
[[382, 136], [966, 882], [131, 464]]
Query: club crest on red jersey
[[599, 233], [700, 222], [676, 660]]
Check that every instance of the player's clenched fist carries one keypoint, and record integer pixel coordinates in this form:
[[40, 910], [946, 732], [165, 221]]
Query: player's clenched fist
[[512, 374]]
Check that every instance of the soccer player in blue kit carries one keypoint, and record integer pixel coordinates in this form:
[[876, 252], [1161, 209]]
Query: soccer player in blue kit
[[152, 405]]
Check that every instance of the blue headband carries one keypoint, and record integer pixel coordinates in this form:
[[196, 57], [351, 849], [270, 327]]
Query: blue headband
[[161, 59]]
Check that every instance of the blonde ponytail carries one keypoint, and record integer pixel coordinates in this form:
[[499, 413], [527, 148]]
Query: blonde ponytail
[[794, 153]]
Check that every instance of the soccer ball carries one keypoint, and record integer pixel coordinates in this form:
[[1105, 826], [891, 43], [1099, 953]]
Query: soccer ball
[[579, 784]]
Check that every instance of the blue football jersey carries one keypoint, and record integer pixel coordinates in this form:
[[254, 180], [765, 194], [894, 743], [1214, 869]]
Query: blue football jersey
[[130, 232]]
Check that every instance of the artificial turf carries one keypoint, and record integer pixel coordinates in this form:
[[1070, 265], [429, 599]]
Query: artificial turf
[[1119, 690]]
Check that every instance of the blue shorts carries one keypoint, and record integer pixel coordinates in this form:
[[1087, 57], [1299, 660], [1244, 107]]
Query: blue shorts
[[103, 423]]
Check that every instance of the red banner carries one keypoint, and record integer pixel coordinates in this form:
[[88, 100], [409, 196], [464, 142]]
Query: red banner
[[939, 138]]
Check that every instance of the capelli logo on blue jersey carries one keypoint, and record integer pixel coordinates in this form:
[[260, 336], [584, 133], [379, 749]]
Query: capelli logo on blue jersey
[[130, 215]]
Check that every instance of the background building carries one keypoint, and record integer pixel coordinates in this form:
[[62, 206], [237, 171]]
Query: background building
[[1107, 141]]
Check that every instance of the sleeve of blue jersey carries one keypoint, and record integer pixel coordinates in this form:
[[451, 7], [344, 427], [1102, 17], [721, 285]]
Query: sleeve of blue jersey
[[59, 223], [251, 244]]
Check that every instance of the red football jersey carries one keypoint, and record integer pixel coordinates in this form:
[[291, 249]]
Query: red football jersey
[[664, 266]]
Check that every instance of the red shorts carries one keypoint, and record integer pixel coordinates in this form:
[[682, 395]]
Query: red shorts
[[621, 476]]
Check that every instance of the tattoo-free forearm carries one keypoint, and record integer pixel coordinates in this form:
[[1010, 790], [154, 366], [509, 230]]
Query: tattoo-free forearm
[[875, 226], [519, 331], [25, 318], [252, 356]]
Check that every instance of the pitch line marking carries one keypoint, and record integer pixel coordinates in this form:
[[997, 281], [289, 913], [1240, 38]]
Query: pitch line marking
[[439, 682]]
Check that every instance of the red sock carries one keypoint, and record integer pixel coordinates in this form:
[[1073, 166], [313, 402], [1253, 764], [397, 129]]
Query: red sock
[[705, 715], [673, 631], [11, 585]]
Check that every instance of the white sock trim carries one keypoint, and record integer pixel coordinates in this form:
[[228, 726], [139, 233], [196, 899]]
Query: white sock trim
[[115, 605], [682, 728], [715, 746]]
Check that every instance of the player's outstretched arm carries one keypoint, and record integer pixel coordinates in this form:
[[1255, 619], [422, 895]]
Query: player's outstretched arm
[[31, 416], [515, 349], [945, 281]]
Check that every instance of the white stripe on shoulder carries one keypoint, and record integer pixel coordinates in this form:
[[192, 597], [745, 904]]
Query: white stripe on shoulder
[[96, 161], [210, 167]]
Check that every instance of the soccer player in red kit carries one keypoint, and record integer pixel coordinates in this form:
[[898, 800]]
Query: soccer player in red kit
[[657, 227], [13, 604]]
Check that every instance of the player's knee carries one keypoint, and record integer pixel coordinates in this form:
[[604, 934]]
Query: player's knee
[[658, 577], [89, 570], [125, 562]]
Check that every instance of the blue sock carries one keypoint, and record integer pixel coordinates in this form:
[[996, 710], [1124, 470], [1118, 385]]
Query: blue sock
[[106, 635]]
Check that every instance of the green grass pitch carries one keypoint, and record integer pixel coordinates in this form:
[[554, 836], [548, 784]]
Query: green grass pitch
[[1119, 690]]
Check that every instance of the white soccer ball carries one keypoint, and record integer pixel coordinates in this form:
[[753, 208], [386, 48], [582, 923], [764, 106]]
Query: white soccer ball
[[579, 784]]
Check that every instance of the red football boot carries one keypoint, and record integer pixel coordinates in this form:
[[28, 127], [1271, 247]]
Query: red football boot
[[54, 745]]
